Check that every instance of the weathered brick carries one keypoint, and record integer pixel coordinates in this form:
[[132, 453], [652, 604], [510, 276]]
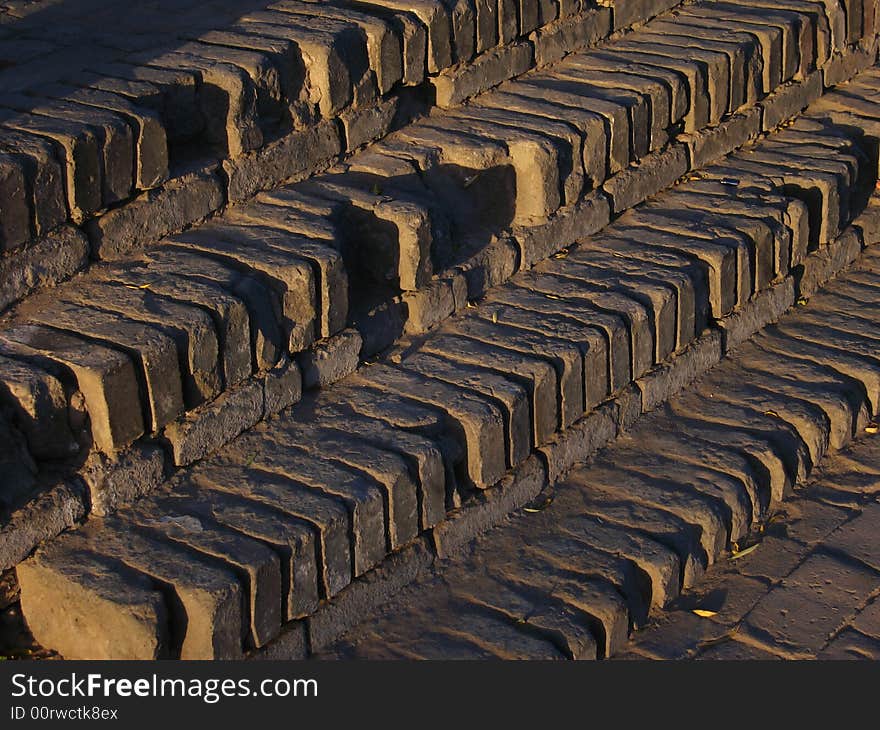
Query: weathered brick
[[812, 603], [295, 155], [212, 425], [767, 42], [697, 113], [654, 173], [658, 298], [290, 539], [113, 137], [566, 94], [147, 218], [362, 496], [638, 263], [394, 233], [15, 214], [667, 92], [580, 355], [518, 98], [567, 142], [480, 422], [435, 18], [43, 177], [569, 34], [743, 56], [756, 235], [568, 316], [210, 614], [510, 398], [383, 45], [87, 606], [324, 514], [566, 358], [558, 622], [154, 352], [722, 71], [720, 426], [290, 278], [855, 538], [151, 145], [724, 252], [632, 313], [226, 96], [189, 327], [537, 374], [79, 149], [38, 404], [257, 566], [106, 378]]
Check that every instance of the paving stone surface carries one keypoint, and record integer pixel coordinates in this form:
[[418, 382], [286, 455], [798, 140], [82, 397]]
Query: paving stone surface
[[808, 590]]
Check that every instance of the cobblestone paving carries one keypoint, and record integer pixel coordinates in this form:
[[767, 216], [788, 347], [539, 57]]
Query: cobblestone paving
[[806, 586], [695, 485]]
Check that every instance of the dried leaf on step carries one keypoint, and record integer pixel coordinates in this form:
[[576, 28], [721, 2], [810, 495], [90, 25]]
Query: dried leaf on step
[[540, 507], [703, 613], [737, 554]]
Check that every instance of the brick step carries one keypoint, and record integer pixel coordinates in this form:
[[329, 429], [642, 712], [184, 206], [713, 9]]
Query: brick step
[[804, 590], [197, 103], [291, 512], [92, 147], [624, 534], [215, 329]]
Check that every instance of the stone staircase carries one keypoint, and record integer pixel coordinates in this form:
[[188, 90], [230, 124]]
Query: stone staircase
[[448, 257], [621, 537]]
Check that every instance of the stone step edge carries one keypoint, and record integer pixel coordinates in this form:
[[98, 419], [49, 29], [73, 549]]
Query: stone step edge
[[208, 187], [524, 247], [205, 190], [436, 572], [102, 485], [576, 444]]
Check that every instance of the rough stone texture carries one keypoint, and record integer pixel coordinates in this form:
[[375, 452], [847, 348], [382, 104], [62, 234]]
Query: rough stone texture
[[207, 428], [414, 228], [332, 360], [455, 86], [828, 575], [290, 157], [44, 518], [133, 474], [281, 388], [181, 202], [569, 34], [813, 596], [49, 261], [654, 174]]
